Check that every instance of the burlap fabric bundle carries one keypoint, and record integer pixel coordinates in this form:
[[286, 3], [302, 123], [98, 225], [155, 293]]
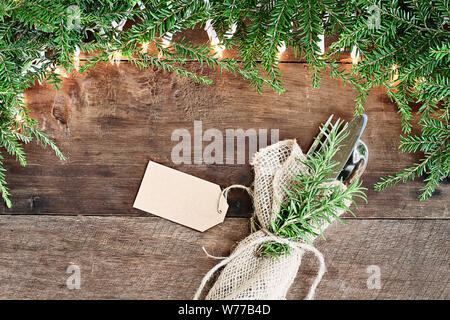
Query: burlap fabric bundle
[[246, 275]]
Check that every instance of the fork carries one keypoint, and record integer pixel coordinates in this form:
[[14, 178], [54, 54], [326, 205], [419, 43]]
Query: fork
[[357, 162], [328, 125]]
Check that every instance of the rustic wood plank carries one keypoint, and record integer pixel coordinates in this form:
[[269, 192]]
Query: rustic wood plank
[[112, 120], [151, 258]]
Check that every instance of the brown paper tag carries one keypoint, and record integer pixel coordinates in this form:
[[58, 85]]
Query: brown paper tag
[[180, 197]]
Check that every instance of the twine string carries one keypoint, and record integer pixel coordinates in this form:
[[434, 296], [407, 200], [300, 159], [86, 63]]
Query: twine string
[[224, 193], [269, 237]]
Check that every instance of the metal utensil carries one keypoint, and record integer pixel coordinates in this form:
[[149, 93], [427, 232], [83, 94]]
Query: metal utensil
[[356, 164], [354, 130], [347, 147], [320, 135]]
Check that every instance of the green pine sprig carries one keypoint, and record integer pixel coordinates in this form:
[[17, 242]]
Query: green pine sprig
[[434, 143]]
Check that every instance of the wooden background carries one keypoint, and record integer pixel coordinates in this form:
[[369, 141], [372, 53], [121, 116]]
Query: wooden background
[[112, 120]]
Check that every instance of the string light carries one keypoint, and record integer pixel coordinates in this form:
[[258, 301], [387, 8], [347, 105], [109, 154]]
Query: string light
[[394, 69], [76, 59], [216, 44], [213, 39], [119, 25], [231, 31], [281, 49], [18, 117], [144, 47], [321, 44], [394, 76], [18, 120], [219, 49], [167, 37], [59, 71], [354, 55], [166, 40], [420, 80], [115, 57], [393, 81]]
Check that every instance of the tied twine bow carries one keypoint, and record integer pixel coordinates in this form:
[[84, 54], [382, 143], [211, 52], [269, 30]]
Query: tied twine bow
[[269, 236]]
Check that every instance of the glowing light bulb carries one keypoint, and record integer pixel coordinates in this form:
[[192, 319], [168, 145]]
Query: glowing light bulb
[[394, 68], [216, 44], [281, 49], [76, 59], [218, 49], [114, 58], [59, 71], [231, 31], [144, 46], [165, 43]]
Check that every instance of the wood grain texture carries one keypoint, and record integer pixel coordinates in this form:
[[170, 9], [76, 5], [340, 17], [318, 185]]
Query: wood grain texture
[[150, 258], [112, 120]]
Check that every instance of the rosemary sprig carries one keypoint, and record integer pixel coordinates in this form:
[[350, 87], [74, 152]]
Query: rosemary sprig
[[311, 199]]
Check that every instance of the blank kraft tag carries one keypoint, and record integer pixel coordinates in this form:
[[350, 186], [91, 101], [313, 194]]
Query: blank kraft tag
[[180, 197]]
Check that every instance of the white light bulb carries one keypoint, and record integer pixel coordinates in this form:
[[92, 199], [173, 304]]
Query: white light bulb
[[114, 58], [61, 72], [166, 39], [354, 54], [76, 58], [216, 44], [321, 44], [281, 48], [144, 46]]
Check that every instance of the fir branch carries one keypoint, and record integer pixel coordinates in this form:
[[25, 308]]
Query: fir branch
[[42, 138], [399, 15], [11, 144], [434, 142], [3, 189]]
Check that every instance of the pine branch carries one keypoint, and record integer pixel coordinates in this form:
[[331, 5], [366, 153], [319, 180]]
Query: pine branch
[[435, 143], [3, 189]]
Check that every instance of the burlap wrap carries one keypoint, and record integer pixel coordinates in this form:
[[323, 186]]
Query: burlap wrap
[[244, 274]]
